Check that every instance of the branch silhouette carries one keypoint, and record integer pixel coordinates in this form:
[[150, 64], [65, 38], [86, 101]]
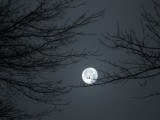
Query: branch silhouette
[[143, 53], [144, 50], [34, 39]]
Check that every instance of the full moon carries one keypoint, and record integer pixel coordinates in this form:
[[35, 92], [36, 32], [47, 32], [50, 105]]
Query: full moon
[[89, 75]]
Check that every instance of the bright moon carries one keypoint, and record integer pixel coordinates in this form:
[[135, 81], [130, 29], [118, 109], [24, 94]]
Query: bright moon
[[89, 75]]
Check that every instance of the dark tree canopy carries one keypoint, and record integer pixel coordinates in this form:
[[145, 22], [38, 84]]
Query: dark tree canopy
[[34, 39], [144, 51]]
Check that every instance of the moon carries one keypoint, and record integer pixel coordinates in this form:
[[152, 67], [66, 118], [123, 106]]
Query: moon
[[89, 75]]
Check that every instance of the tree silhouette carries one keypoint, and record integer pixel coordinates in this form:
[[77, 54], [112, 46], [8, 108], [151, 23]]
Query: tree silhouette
[[34, 39], [144, 51]]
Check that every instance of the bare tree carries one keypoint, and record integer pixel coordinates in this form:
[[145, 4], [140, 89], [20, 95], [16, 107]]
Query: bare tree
[[34, 39], [143, 50]]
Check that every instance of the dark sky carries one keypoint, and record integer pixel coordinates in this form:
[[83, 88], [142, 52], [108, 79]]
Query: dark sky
[[112, 101]]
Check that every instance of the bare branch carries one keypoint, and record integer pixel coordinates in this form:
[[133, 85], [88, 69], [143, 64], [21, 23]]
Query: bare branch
[[34, 39], [144, 52]]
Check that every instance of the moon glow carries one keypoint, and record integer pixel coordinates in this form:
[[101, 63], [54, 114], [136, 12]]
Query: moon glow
[[89, 75]]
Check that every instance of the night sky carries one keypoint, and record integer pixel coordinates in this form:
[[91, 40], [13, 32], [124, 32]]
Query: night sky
[[112, 101]]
